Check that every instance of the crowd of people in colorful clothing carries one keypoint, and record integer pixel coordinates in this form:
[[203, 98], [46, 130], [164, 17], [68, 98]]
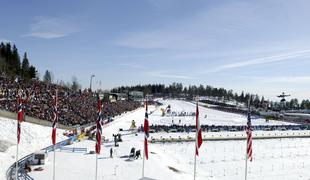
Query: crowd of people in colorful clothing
[[74, 107]]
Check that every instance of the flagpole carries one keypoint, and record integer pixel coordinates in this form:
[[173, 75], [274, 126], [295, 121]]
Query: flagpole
[[18, 132], [96, 166], [246, 149], [145, 136], [54, 162], [98, 135], [246, 161], [143, 159], [16, 168], [196, 139], [54, 131], [195, 155]]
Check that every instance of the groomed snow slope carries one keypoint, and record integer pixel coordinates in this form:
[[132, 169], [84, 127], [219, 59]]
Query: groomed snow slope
[[33, 138]]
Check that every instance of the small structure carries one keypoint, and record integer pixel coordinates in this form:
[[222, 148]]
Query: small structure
[[39, 158], [136, 95]]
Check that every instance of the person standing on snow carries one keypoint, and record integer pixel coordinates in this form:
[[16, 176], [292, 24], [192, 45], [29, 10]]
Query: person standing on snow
[[111, 153]]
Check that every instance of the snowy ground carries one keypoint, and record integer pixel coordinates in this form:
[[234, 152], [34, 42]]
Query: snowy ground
[[286, 159], [33, 138], [207, 116]]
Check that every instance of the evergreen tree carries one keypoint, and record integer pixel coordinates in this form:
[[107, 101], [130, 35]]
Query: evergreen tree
[[75, 84], [2, 49], [8, 51], [14, 64], [10, 65], [256, 101], [262, 102], [25, 68], [185, 91], [293, 104], [242, 97], [305, 104], [32, 72], [47, 78], [2, 65], [201, 90]]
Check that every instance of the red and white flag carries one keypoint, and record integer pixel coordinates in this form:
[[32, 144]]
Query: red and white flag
[[55, 120], [19, 117], [249, 136], [198, 130], [146, 130], [99, 128]]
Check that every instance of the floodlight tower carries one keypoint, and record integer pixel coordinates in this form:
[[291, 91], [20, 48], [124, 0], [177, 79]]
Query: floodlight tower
[[283, 100]]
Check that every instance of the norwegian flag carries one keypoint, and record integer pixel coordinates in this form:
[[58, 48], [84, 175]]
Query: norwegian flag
[[249, 135], [55, 120], [146, 130], [198, 130], [19, 117], [99, 128]]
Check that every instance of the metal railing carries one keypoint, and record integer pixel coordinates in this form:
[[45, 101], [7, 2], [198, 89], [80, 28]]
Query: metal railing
[[73, 149], [11, 172]]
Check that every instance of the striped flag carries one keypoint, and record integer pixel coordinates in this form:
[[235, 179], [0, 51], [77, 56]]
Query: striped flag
[[146, 130], [198, 130], [19, 117], [55, 120], [99, 128], [249, 135]]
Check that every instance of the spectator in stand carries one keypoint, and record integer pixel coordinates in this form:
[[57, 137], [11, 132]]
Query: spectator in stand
[[75, 107]]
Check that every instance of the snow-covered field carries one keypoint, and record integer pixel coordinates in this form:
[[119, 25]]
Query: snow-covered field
[[33, 138], [285, 159], [207, 116]]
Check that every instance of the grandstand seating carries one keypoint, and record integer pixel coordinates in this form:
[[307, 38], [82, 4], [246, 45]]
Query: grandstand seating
[[75, 107]]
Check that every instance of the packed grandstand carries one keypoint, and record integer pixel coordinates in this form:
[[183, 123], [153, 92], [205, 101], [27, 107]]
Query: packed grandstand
[[75, 107]]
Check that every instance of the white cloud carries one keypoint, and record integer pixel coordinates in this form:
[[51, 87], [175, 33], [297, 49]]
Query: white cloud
[[52, 27], [233, 26], [293, 55]]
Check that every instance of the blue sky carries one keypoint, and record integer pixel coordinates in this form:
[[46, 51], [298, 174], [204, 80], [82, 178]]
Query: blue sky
[[258, 46]]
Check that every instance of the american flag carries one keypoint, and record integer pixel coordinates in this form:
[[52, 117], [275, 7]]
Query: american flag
[[55, 120], [99, 128], [198, 130], [146, 130], [19, 117], [249, 135]]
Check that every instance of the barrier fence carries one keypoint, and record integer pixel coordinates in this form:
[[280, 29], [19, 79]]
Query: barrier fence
[[175, 128], [10, 174]]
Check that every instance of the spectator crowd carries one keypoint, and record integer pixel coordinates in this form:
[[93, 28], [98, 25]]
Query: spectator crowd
[[74, 107]]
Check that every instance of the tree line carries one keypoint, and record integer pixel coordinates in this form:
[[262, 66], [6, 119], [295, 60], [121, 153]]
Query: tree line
[[12, 67], [177, 90], [11, 64], [73, 85]]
